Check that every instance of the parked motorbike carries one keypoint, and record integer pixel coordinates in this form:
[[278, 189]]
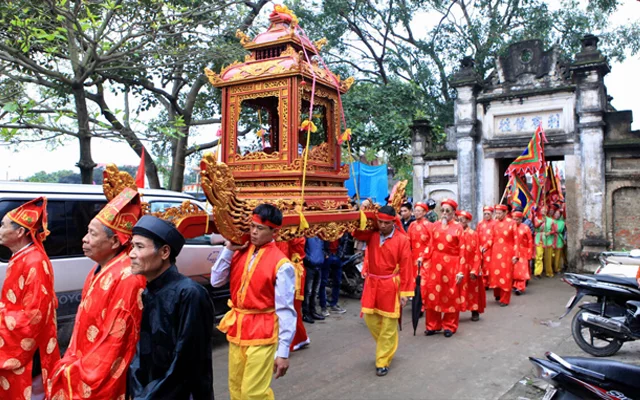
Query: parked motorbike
[[600, 328], [574, 378], [351, 283], [619, 263]]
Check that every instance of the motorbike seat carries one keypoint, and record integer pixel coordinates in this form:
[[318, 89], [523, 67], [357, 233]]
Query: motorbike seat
[[626, 374], [617, 280], [624, 260]]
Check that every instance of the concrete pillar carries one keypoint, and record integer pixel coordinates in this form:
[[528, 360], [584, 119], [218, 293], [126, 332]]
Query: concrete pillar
[[588, 73], [420, 136], [466, 83]]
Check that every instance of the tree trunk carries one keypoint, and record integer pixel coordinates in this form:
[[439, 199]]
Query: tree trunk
[[151, 170], [179, 160], [86, 163]]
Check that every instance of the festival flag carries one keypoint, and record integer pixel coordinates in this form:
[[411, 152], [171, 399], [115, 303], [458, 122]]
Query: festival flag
[[141, 171], [552, 187], [559, 184], [531, 161], [520, 196]]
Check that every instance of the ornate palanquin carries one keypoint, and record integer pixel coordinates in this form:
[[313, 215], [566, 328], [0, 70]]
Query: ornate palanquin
[[262, 149]]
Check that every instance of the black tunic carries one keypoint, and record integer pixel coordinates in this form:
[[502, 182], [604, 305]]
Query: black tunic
[[173, 358]]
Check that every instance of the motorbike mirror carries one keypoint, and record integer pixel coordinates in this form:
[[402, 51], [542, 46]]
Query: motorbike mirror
[[635, 253]]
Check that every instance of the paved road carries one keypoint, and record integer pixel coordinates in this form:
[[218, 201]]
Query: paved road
[[484, 360]]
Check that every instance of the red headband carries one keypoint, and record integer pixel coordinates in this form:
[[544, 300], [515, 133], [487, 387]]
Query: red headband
[[258, 220], [517, 214], [386, 217], [449, 202], [465, 214], [487, 209], [424, 206], [501, 207]]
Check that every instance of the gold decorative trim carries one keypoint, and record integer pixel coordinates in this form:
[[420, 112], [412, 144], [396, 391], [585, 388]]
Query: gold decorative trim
[[115, 181], [320, 153], [257, 155], [244, 39], [214, 78], [320, 43], [346, 84]]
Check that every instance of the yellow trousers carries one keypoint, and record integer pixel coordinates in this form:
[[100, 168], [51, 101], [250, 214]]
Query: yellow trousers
[[548, 261], [250, 372], [539, 263], [558, 259], [385, 332]]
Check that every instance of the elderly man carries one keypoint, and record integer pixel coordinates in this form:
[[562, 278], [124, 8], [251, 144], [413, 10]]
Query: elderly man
[[28, 302], [107, 325], [262, 319], [173, 358], [473, 286], [420, 235], [388, 284], [484, 235], [442, 279], [504, 255]]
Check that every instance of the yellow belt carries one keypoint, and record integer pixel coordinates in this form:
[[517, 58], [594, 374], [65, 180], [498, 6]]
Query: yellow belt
[[231, 316]]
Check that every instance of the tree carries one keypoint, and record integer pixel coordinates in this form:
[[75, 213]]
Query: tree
[[176, 81], [379, 42]]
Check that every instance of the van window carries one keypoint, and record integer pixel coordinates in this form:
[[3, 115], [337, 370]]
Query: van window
[[68, 222]]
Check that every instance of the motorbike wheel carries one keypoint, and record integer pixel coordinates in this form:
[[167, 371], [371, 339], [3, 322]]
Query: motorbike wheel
[[599, 345]]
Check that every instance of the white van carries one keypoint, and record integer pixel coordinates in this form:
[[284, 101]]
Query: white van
[[70, 209]]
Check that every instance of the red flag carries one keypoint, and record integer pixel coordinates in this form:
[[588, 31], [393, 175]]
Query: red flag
[[140, 173]]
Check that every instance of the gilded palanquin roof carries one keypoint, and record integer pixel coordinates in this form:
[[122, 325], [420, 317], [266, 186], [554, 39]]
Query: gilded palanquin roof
[[278, 52]]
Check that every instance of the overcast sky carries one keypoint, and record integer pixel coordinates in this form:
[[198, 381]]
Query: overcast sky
[[623, 84]]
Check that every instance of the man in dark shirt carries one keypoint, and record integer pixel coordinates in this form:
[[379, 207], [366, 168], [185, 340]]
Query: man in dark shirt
[[406, 215], [173, 358]]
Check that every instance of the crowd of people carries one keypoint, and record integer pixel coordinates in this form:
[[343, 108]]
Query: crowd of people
[[144, 331]]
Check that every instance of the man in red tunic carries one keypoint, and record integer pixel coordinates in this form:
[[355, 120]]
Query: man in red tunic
[[484, 234], [521, 272], [389, 282], [420, 235], [28, 304], [442, 277], [472, 285], [294, 250], [503, 245], [107, 325], [262, 319]]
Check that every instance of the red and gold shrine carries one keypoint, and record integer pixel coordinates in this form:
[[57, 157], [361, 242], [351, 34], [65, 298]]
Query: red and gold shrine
[[263, 151]]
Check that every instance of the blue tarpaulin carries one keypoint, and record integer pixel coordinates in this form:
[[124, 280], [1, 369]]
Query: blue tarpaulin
[[372, 182]]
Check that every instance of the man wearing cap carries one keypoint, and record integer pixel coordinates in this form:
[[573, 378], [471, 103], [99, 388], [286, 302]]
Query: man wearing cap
[[107, 324], [420, 235], [262, 319], [388, 283], [28, 303], [173, 357], [446, 269], [504, 255], [521, 272], [472, 285], [484, 235]]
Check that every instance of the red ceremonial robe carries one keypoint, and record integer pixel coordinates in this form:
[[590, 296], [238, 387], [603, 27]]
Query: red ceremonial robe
[[446, 257], [27, 321], [521, 273], [389, 272], [294, 250], [105, 335], [484, 236], [473, 289], [504, 246], [420, 235]]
